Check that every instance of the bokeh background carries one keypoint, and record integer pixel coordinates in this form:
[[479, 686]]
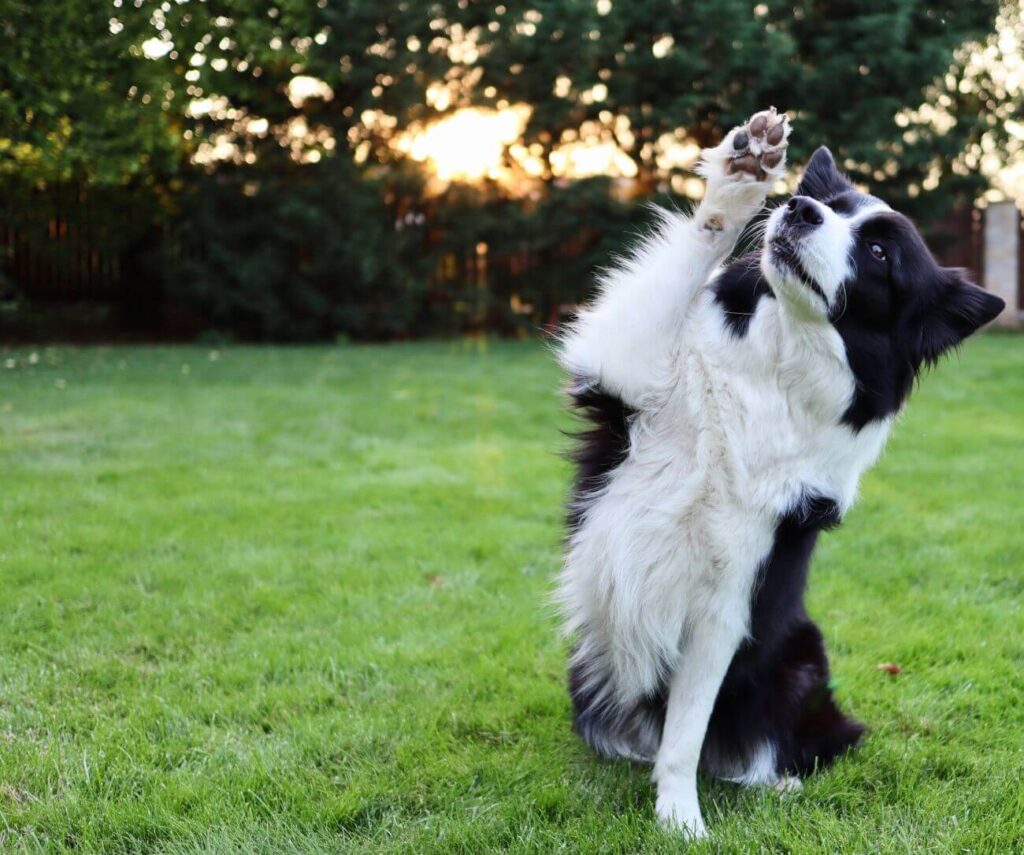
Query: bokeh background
[[372, 169]]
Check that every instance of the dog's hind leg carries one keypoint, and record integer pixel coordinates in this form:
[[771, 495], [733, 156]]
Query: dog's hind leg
[[775, 717], [821, 733]]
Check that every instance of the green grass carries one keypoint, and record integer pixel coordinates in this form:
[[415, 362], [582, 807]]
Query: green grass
[[294, 600]]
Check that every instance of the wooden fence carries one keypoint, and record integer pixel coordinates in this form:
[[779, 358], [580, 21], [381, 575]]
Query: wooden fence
[[67, 246], [59, 247]]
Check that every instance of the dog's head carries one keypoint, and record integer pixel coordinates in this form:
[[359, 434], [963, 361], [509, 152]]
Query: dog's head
[[833, 254]]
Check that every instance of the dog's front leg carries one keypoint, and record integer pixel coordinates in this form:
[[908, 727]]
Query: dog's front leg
[[693, 688], [623, 340], [739, 172]]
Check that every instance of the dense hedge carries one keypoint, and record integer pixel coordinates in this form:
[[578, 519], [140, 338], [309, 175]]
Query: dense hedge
[[320, 253]]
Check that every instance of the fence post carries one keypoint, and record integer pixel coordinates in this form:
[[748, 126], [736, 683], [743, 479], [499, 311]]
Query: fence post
[[1002, 264]]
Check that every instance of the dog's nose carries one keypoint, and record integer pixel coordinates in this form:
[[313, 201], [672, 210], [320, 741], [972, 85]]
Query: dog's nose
[[803, 211]]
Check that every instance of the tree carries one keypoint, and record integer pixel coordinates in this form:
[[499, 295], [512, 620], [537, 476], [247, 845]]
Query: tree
[[845, 70], [198, 107], [78, 99]]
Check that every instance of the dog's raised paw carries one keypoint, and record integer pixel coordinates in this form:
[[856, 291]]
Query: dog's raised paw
[[758, 147]]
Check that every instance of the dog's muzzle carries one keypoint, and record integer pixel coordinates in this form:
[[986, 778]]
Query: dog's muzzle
[[802, 213]]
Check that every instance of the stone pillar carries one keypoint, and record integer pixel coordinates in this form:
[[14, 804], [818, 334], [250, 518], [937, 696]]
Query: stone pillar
[[1002, 259]]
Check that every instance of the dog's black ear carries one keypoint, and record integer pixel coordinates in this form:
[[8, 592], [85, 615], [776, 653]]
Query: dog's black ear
[[957, 308], [822, 179]]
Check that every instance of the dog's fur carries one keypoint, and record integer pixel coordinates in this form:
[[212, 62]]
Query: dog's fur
[[732, 412]]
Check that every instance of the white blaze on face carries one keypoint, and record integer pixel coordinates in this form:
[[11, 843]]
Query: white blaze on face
[[824, 253]]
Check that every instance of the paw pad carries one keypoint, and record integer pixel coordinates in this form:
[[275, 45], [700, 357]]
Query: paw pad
[[760, 145]]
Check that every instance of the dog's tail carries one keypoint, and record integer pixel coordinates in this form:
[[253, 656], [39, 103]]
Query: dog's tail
[[612, 728]]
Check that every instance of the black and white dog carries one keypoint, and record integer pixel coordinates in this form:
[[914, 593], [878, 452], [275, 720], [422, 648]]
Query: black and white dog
[[733, 410]]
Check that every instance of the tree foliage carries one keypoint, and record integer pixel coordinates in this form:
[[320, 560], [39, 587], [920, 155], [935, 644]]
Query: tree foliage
[[295, 213], [77, 97]]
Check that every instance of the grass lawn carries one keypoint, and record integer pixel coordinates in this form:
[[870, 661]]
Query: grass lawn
[[294, 600]]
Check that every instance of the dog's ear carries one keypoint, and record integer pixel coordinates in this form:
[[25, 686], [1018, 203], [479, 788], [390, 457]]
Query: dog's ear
[[822, 179], [956, 309]]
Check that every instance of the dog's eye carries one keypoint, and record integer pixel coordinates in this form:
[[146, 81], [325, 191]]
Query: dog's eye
[[877, 251]]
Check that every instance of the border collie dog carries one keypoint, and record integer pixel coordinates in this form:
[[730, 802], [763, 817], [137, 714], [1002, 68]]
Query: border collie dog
[[732, 411]]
